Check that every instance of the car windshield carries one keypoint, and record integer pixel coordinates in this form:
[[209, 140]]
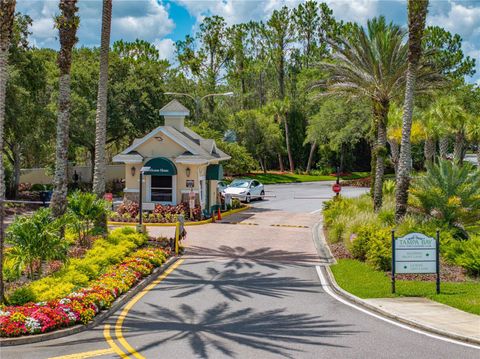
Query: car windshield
[[240, 184]]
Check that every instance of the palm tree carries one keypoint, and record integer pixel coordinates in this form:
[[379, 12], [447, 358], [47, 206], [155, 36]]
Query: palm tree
[[67, 24], [7, 14], [447, 110], [370, 63], [473, 134], [417, 15], [101, 117], [280, 112], [394, 133]]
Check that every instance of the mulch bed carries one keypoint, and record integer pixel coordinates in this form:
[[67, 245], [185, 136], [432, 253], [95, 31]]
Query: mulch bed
[[448, 272]]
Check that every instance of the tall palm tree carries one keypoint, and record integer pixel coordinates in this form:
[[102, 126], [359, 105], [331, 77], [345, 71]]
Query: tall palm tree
[[101, 117], [7, 14], [67, 23], [473, 133], [417, 15], [280, 112], [455, 118], [370, 63]]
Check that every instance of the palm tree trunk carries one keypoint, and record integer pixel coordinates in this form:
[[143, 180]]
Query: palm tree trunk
[[478, 154], [16, 170], [443, 144], [7, 14], [429, 150], [67, 24], [313, 147], [417, 14], [60, 179], [380, 151], [287, 143], [101, 117], [458, 152], [395, 149]]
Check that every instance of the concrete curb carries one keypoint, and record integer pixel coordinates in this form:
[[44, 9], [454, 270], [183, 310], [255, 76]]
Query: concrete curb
[[98, 319], [359, 301], [418, 325], [321, 245]]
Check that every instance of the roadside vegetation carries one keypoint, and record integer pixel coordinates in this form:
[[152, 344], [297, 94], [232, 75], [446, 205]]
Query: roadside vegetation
[[61, 271], [445, 198]]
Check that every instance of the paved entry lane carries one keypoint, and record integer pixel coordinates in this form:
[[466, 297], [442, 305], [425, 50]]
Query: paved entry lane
[[240, 294]]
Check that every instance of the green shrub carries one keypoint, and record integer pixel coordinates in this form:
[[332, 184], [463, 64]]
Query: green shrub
[[379, 252], [388, 187], [11, 271], [36, 239], [89, 213], [21, 296], [360, 246], [79, 272], [450, 193], [465, 254]]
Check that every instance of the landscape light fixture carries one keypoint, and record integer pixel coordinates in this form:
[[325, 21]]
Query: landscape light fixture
[[187, 171], [133, 170]]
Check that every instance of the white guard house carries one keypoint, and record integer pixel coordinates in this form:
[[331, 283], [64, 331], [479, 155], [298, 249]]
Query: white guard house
[[178, 160]]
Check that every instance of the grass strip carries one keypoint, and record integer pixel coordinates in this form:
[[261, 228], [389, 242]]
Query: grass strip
[[361, 280]]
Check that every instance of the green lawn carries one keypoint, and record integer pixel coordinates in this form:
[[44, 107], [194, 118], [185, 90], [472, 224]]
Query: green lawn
[[361, 280], [272, 178]]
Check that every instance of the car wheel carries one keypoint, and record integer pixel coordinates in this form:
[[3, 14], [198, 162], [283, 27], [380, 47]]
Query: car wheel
[[247, 198], [262, 195]]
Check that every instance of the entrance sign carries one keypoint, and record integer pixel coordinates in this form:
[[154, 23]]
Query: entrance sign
[[415, 253]]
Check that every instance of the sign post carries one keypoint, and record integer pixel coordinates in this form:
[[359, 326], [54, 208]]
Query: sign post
[[415, 253]]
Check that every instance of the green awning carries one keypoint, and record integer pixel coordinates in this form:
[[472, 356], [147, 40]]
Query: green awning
[[215, 172], [160, 166]]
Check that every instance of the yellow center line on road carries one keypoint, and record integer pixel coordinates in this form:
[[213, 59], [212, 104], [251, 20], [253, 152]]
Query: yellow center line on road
[[89, 354], [131, 303], [111, 342]]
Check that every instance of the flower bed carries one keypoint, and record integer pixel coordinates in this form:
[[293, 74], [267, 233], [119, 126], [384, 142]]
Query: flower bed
[[129, 212], [82, 305]]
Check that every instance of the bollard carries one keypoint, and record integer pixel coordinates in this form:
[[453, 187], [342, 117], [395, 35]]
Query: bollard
[[177, 237]]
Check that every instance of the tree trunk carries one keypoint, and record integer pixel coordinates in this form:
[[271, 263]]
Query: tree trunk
[[443, 144], [429, 150], [101, 116], [380, 159], [458, 147], [16, 170], [313, 147], [280, 163], [60, 179], [478, 154], [405, 160], [281, 75], [67, 25], [287, 143], [417, 14], [342, 158], [395, 149], [7, 11]]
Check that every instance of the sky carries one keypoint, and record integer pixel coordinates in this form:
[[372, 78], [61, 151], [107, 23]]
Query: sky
[[163, 22]]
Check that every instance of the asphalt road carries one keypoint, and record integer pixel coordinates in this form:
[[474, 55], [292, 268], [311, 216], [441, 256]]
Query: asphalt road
[[248, 288]]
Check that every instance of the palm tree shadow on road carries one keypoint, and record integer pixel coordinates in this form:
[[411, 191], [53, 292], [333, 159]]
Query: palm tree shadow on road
[[233, 285], [240, 257], [274, 331]]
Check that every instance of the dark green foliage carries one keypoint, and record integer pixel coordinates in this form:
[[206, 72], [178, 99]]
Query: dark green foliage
[[450, 193]]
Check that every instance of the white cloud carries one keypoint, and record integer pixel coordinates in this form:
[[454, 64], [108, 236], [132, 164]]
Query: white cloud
[[166, 48], [131, 19], [461, 19], [236, 11]]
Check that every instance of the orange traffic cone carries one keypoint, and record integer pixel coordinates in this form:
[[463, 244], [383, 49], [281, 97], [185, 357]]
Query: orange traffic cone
[[219, 214]]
